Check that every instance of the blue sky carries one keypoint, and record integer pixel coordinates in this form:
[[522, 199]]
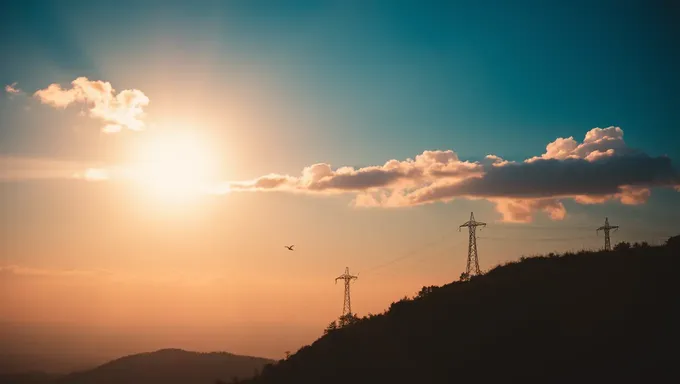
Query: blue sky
[[390, 78]]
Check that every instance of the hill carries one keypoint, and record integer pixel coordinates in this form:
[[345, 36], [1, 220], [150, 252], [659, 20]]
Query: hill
[[169, 366], [28, 378], [585, 317], [166, 366]]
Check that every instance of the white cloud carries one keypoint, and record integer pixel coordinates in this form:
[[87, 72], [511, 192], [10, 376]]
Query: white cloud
[[12, 89], [122, 110], [598, 143]]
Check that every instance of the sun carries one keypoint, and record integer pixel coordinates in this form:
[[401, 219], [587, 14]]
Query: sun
[[174, 166]]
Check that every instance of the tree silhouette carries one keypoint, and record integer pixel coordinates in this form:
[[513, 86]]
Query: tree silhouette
[[554, 318], [331, 327], [348, 319], [425, 291]]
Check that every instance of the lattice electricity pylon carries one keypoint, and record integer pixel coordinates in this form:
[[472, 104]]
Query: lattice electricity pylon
[[347, 306], [606, 228], [472, 268]]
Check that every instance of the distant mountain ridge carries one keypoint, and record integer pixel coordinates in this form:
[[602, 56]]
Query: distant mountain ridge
[[165, 366]]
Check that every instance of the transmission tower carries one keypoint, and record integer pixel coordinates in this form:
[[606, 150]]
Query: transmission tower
[[606, 228], [472, 260], [347, 306]]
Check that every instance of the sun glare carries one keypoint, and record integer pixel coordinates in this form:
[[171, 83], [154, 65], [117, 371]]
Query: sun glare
[[175, 166]]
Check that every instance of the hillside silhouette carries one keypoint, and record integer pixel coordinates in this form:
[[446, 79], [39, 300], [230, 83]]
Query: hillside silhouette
[[166, 366], [579, 317], [170, 366]]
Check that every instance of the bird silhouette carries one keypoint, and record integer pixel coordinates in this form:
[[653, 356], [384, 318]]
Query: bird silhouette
[[290, 247]]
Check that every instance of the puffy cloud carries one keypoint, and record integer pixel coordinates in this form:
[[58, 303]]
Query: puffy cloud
[[12, 89], [117, 111], [317, 178], [522, 210], [600, 168], [598, 143], [629, 195], [496, 161]]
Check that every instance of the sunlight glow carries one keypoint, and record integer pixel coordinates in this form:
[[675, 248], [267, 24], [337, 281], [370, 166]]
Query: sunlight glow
[[95, 174], [175, 166]]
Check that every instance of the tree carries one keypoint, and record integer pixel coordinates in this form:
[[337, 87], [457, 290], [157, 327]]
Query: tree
[[622, 246], [426, 291], [287, 354], [348, 319], [330, 328]]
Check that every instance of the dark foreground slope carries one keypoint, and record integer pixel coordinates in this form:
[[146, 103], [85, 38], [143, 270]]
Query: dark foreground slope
[[590, 317], [169, 366]]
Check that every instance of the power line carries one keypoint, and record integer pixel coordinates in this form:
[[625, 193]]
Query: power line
[[420, 256], [408, 254], [541, 227], [534, 238]]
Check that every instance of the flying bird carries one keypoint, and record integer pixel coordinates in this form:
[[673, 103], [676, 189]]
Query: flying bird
[[290, 247]]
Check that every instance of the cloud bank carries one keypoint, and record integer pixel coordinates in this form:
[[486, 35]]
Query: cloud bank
[[123, 110], [600, 168], [27, 169]]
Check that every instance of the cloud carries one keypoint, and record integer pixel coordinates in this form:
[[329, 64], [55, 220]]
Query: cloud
[[12, 89], [521, 210], [598, 143], [30, 271], [103, 275], [628, 195], [322, 178], [93, 174], [559, 178], [122, 110], [600, 168], [14, 168]]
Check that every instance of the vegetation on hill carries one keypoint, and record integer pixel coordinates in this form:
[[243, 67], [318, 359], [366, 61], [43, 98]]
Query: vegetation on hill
[[578, 317]]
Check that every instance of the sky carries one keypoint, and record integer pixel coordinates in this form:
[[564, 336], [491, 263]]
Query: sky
[[155, 157]]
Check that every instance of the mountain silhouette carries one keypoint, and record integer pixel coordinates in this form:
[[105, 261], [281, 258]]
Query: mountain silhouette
[[165, 366], [28, 378], [170, 366], [581, 317]]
